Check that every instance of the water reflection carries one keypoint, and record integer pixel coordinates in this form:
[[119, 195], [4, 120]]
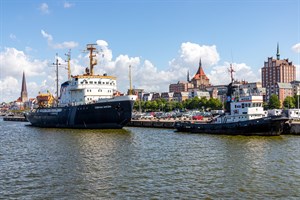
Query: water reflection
[[137, 163]]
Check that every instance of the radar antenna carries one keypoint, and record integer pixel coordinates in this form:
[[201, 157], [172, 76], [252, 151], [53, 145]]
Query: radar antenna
[[92, 50]]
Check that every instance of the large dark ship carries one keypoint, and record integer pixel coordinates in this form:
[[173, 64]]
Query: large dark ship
[[86, 101], [244, 116]]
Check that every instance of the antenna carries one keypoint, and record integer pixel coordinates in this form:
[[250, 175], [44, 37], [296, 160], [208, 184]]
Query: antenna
[[68, 60], [130, 84], [56, 64]]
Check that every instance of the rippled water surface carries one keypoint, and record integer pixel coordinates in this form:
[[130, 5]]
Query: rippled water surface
[[138, 163]]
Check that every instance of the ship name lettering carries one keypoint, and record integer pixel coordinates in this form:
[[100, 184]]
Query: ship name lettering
[[101, 107]]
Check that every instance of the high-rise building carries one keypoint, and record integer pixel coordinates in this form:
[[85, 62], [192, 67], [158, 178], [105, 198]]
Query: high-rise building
[[276, 71]]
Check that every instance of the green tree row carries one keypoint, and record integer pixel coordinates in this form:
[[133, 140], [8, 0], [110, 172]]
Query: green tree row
[[163, 105], [289, 102]]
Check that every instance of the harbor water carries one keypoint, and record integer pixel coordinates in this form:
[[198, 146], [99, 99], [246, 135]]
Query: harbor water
[[145, 163]]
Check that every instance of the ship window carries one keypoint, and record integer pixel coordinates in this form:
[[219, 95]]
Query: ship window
[[103, 82], [95, 82], [107, 83], [91, 82], [99, 82]]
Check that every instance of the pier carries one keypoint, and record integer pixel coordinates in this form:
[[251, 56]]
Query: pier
[[15, 118]]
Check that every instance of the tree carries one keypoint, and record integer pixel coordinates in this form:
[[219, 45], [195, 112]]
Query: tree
[[195, 103], [214, 104], [274, 102], [289, 102], [296, 97]]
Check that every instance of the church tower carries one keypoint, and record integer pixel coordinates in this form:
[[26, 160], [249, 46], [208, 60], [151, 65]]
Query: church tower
[[24, 97], [200, 80]]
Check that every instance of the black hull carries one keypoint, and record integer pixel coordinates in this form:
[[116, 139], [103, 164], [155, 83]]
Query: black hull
[[266, 126], [104, 115]]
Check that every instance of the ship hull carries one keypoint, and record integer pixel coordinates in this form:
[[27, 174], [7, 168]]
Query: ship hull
[[110, 114], [266, 126]]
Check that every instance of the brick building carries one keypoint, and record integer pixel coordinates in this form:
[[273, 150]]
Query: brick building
[[276, 71]]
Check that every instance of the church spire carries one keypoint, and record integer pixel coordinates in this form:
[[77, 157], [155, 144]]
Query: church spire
[[24, 97], [278, 54], [188, 76], [200, 67]]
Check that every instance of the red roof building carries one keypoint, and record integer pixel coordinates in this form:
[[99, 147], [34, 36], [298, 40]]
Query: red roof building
[[200, 80]]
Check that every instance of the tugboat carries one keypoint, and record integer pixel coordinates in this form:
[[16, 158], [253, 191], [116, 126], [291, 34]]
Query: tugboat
[[86, 101], [244, 116]]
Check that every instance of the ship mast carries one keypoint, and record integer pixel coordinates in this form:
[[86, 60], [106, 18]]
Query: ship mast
[[69, 67], [231, 70], [130, 83], [92, 49], [56, 64]]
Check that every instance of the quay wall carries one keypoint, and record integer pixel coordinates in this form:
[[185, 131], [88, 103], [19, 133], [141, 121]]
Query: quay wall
[[14, 118], [294, 128], [152, 123]]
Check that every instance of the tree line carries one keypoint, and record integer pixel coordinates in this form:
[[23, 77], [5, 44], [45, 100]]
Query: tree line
[[166, 106], [289, 102], [204, 104]]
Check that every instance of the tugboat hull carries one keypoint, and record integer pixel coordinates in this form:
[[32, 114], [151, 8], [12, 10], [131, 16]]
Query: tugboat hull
[[105, 115], [267, 126]]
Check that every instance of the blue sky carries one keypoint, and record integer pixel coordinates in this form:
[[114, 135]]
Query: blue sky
[[160, 39]]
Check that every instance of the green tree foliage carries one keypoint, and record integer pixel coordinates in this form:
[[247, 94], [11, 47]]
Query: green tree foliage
[[297, 97], [289, 102], [274, 102], [214, 104], [265, 105], [163, 105]]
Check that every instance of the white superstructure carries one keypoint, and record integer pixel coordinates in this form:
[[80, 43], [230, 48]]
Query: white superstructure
[[83, 89], [245, 108]]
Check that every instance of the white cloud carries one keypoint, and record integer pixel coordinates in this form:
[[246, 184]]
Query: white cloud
[[145, 74], [191, 53], [12, 36], [68, 5], [8, 90], [63, 45], [47, 36], [12, 64], [296, 48], [44, 8], [220, 74]]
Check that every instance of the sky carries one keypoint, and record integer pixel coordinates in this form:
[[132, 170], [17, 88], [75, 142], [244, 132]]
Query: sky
[[161, 40]]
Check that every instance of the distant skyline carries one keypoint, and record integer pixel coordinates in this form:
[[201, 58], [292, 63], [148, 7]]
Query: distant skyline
[[161, 40]]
